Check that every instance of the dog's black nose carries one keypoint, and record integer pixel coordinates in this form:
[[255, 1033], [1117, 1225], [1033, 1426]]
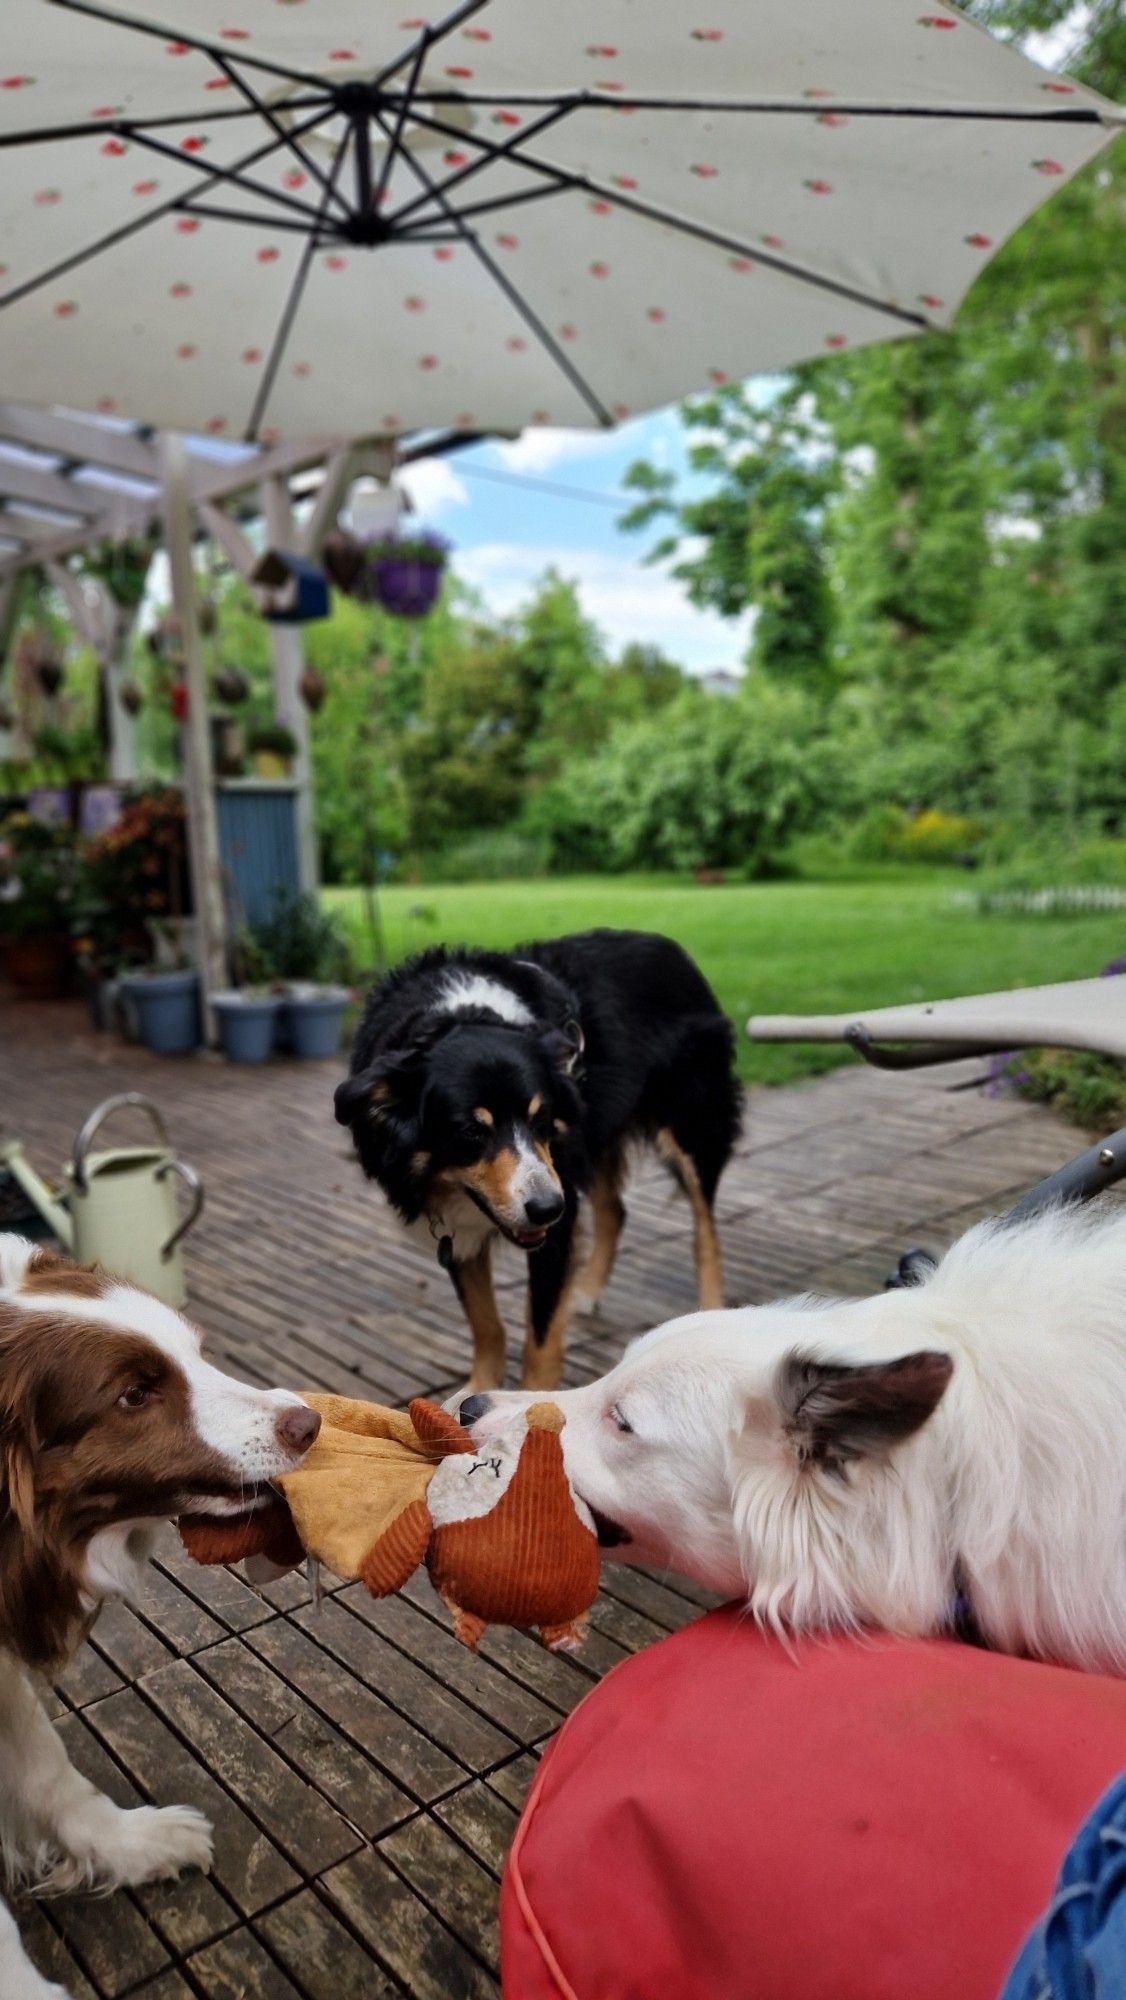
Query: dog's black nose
[[543, 1210], [474, 1407]]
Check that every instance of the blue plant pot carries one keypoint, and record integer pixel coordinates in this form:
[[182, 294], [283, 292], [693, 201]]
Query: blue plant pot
[[310, 1025], [166, 1008], [247, 1028]]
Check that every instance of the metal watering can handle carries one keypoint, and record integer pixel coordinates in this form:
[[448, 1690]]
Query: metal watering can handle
[[191, 1181], [129, 1099]]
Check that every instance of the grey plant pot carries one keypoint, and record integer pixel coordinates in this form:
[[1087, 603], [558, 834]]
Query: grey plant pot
[[247, 1028], [166, 1006], [312, 1020]]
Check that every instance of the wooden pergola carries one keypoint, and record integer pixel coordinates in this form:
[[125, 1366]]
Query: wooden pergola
[[70, 483]]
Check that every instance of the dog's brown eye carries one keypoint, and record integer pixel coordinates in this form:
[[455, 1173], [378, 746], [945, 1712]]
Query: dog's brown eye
[[136, 1396]]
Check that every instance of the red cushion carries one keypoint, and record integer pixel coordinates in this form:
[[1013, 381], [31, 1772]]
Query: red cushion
[[863, 1820]]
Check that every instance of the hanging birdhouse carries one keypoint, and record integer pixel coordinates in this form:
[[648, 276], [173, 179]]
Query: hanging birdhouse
[[290, 589], [130, 697], [231, 686], [312, 689]]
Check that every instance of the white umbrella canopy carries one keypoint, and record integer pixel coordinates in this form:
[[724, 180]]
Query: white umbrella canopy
[[263, 218]]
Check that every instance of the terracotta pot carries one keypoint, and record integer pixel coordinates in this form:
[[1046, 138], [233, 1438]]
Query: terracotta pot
[[39, 967]]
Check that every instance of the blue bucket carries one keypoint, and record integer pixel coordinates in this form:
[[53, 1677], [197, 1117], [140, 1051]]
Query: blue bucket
[[166, 1005], [311, 1023], [247, 1028]]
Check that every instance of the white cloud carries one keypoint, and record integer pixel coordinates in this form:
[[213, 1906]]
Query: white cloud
[[433, 486], [626, 600], [537, 450]]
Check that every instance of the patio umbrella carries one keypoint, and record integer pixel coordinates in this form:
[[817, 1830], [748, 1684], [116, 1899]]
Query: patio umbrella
[[264, 217]]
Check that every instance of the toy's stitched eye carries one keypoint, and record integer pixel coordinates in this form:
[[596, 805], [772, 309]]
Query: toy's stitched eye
[[619, 1420], [136, 1396]]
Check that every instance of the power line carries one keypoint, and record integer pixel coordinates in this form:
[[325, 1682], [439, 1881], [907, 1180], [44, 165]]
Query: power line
[[552, 486]]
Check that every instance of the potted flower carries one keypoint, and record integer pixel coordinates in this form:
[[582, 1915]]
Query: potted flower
[[164, 999], [310, 964], [135, 894], [37, 867], [403, 573], [272, 748], [247, 1015]]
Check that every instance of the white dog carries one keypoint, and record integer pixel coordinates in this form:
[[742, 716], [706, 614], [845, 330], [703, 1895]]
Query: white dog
[[870, 1462], [110, 1423]]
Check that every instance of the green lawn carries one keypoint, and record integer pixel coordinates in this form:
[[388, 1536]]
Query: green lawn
[[778, 947]]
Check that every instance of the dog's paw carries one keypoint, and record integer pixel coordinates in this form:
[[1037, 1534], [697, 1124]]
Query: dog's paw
[[147, 1844], [584, 1305]]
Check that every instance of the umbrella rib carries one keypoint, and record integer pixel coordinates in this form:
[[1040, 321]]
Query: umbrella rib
[[233, 175], [188, 205], [515, 298], [491, 151], [267, 112], [770, 107], [718, 238], [128, 229], [433, 33], [289, 310], [127, 128], [166, 34], [395, 145], [482, 208]]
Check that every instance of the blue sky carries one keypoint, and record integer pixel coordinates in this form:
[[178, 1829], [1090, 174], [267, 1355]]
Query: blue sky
[[507, 529]]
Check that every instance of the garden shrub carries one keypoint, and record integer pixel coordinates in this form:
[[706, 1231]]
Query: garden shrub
[[706, 784], [887, 833]]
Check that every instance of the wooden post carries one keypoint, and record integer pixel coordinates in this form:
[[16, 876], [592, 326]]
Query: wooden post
[[289, 665], [203, 833], [107, 627], [9, 612]]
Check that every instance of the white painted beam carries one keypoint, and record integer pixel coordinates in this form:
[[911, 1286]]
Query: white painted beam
[[203, 832]]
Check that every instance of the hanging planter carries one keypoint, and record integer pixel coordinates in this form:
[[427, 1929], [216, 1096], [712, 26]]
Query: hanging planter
[[312, 689], [403, 573], [131, 698], [342, 560], [123, 567], [39, 657], [231, 686], [165, 641]]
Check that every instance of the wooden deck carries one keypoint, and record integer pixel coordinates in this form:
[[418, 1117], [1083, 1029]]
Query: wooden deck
[[364, 1771]]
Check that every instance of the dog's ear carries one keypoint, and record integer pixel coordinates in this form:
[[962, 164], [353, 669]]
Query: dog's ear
[[564, 1047], [833, 1413], [392, 1079]]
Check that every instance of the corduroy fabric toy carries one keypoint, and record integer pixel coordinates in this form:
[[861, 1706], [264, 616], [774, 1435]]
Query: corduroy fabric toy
[[504, 1536]]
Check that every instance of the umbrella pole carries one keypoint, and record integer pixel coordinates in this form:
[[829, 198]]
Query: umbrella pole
[[289, 662], [203, 833]]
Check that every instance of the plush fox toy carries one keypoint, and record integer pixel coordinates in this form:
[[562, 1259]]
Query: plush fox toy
[[506, 1539]]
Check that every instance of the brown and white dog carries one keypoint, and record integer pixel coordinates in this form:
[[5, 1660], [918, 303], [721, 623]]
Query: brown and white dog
[[111, 1423]]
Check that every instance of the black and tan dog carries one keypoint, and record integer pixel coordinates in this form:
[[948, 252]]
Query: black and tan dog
[[488, 1091]]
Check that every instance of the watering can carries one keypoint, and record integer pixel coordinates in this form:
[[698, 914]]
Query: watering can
[[120, 1208]]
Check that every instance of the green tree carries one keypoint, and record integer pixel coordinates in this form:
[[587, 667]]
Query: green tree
[[753, 536]]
